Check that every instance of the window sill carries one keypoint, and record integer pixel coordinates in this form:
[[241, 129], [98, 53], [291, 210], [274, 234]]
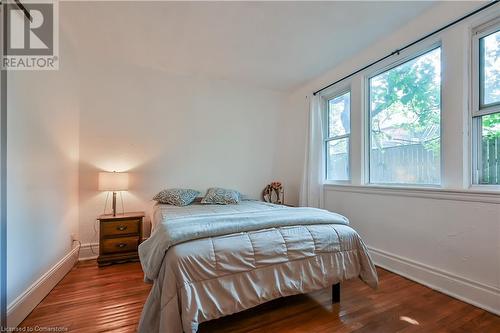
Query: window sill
[[473, 194], [485, 188], [338, 182]]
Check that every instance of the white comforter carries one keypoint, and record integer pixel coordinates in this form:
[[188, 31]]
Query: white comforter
[[207, 264]]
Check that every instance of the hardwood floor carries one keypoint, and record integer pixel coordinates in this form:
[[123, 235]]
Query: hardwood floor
[[110, 299], [93, 299]]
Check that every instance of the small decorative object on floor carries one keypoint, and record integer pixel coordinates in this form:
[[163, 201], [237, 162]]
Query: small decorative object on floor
[[274, 193]]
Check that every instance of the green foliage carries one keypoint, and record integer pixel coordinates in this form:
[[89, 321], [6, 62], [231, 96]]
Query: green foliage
[[491, 126], [405, 103]]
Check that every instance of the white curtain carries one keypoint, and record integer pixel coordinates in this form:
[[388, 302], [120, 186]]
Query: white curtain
[[311, 191]]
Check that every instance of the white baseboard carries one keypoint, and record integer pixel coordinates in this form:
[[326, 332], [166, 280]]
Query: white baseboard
[[89, 251], [477, 294], [22, 306]]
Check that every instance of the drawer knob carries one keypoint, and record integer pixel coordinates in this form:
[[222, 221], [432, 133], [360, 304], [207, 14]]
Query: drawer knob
[[121, 227], [121, 245]]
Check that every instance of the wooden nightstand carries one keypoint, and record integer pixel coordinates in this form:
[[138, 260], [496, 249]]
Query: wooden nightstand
[[119, 237]]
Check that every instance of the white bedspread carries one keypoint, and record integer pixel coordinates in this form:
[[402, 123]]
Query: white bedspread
[[211, 261]]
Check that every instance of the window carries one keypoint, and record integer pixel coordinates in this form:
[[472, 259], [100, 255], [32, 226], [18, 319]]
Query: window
[[337, 137], [489, 69], [405, 122], [486, 111]]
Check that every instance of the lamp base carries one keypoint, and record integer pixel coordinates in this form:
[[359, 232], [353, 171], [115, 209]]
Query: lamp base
[[114, 203]]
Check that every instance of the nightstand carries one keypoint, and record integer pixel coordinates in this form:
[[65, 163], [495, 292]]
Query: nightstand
[[119, 237]]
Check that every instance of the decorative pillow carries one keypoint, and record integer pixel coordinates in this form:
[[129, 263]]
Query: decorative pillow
[[176, 196], [221, 196]]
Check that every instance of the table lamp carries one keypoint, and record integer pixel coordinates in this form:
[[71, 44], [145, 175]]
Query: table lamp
[[113, 182]]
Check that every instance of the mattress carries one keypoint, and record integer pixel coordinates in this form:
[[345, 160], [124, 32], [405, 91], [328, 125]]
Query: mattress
[[211, 277]]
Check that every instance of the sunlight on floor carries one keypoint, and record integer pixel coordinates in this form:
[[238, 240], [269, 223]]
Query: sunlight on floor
[[409, 320]]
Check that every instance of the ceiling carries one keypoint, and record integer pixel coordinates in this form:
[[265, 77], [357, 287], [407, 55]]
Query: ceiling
[[275, 45]]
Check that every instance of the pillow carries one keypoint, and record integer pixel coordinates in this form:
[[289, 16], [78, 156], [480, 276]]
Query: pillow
[[176, 196], [221, 196]]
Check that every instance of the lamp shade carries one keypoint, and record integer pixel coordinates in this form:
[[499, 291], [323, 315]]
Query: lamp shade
[[113, 181]]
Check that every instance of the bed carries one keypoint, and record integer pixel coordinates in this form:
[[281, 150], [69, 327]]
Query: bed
[[209, 261]]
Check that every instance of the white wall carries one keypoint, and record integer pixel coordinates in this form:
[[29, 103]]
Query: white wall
[[42, 171], [451, 244], [170, 131], [290, 140], [93, 114]]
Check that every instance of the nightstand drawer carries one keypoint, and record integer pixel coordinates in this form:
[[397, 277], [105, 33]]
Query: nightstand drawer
[[120, 244], [118, 228], [119, 237]]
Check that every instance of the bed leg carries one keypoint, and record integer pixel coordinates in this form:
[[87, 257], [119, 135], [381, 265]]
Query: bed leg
[[336, 293]]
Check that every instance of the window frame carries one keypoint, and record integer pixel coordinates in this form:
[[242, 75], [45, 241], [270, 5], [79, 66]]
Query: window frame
[[406, 56], [478, 110], [326, 98]]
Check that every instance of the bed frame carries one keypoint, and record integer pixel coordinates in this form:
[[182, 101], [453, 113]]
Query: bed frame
[[336, 293]]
